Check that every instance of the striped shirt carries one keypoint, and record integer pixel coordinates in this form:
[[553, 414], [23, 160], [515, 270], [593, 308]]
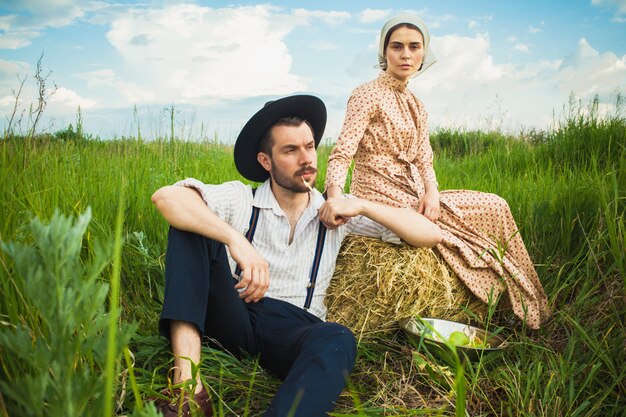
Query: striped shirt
[[289, 264]]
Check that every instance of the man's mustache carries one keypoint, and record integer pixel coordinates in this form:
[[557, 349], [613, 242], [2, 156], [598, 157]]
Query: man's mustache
[[306, 170]]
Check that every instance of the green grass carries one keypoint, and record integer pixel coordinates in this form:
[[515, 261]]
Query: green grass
[[566, 188]]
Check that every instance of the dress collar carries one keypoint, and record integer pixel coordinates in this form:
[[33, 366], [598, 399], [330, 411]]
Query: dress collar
[[392, 82]]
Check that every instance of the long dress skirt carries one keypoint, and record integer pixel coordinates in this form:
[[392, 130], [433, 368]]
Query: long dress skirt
[[482, 245]]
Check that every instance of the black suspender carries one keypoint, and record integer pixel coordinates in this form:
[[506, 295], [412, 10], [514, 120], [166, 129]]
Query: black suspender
[[254, 218], [319, 248]]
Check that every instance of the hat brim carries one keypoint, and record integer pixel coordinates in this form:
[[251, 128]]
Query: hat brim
[[306, 107]]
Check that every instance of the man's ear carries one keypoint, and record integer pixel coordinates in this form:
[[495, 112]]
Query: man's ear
[[264, 160]]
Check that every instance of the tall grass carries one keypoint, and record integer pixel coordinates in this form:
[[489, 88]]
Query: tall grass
[[566, 188]]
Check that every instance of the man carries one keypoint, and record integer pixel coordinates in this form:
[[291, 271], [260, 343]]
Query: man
[[264, 294]]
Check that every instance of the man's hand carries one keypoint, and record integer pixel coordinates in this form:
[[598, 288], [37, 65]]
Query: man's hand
[[255, 274], [184, 209]]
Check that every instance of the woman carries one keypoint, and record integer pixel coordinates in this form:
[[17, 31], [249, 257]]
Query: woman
[[386, 133]]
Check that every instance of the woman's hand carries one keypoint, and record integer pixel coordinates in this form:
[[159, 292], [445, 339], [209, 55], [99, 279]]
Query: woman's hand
[[330, 218], [336, 212], [429, 204]]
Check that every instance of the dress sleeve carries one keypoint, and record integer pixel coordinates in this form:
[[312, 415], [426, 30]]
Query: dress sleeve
[[424, 158], [358, 115]]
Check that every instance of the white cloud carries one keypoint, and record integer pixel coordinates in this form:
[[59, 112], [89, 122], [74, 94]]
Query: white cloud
[[128, 92], [28, 18], [9, 73], [102, 76], [16, 39], [61, 101], [522, 47], [69, 98], [12, 37], [466, 59], [374, 15], [619, 4], [445, 18], [12, 67], [458, 87], [435, 22], [477, 21], [189, 53], [7, 101], [332, 18], [323, 45], [46, 13], [537, 29], [587, 72], [467, 88]]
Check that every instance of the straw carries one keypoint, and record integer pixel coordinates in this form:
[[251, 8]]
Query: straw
[[377, 283]]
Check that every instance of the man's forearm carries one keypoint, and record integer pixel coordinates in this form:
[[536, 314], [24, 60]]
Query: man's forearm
[[184, 209]]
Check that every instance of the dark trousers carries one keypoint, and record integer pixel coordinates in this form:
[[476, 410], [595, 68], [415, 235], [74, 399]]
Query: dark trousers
[[314, 358]]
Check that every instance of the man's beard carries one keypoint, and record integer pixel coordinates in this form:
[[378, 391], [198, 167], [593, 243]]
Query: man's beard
[[295, 183]]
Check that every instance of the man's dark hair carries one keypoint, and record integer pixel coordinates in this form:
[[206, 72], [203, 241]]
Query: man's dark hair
[[266, 142]]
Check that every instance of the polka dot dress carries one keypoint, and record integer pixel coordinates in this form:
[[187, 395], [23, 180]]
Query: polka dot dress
[[386, 133]]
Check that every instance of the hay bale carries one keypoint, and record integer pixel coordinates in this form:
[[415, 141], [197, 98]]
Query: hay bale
[[376, 283]]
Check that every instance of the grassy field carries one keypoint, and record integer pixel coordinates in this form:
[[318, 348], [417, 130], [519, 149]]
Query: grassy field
[[66, 349]]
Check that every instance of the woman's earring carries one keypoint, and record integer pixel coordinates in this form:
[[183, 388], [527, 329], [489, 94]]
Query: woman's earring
[[421, 66]]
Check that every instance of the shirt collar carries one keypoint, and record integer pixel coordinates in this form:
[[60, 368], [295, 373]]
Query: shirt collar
[[264, 199], [392, 82]]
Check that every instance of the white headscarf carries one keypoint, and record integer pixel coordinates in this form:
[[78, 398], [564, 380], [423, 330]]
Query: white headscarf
[[429, 57]]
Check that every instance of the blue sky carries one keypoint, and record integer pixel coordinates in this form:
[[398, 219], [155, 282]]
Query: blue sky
[[501, 64]]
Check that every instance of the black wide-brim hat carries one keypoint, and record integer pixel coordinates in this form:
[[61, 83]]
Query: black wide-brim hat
[[306, 107]]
